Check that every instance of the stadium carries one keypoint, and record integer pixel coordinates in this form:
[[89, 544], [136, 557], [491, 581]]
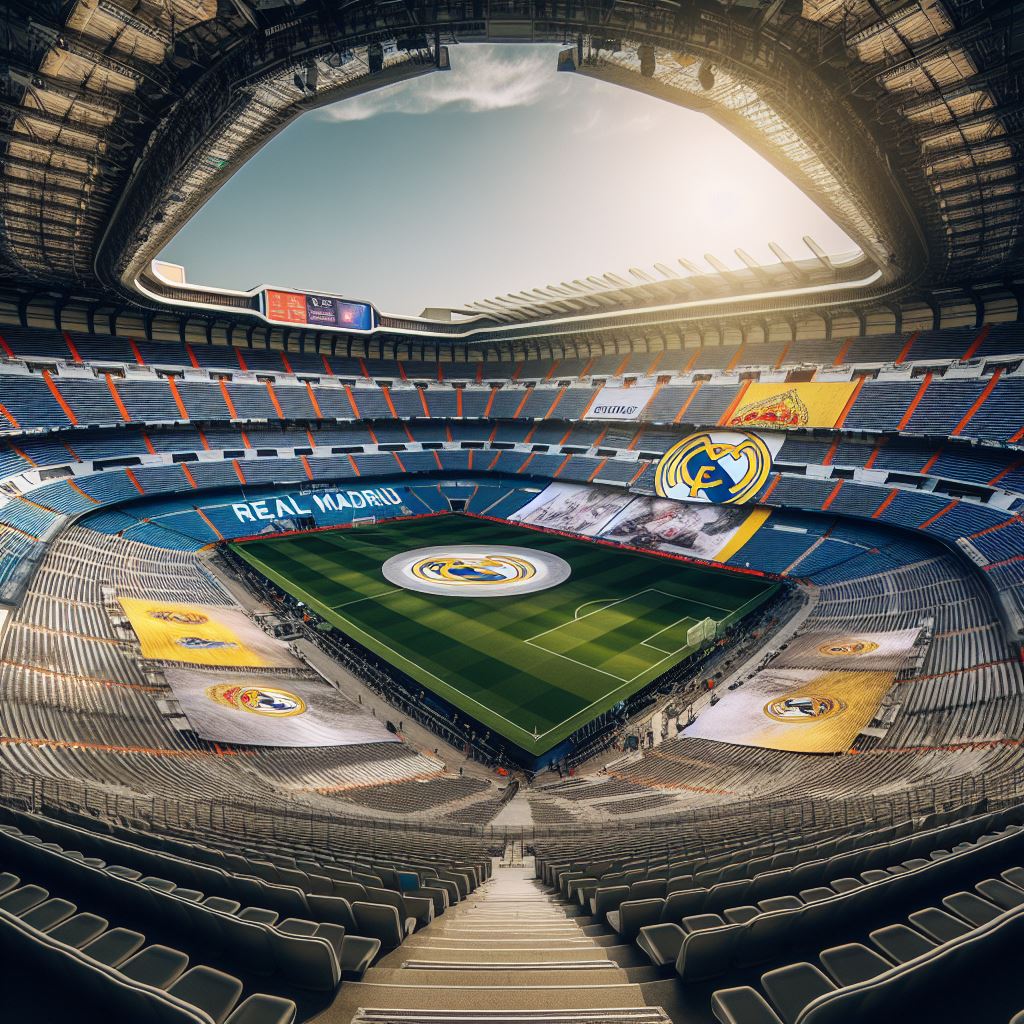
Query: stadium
[[642, 647]]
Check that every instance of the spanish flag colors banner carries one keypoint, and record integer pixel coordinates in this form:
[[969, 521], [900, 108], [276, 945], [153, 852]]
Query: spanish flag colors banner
[[201, 634], [787, 406]]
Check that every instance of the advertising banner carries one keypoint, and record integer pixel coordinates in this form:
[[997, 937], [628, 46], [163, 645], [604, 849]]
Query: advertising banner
[[203, 634], [614, 403], [273, 711]]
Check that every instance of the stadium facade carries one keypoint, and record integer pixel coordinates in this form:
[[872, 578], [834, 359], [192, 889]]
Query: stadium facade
[[292, 587]]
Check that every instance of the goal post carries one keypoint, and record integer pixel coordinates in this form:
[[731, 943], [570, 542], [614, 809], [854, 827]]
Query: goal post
[[702, 632]]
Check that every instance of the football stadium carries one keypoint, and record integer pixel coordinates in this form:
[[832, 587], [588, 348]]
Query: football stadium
[[642, 647]]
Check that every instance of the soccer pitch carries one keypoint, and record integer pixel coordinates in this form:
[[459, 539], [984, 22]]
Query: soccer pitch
[[532, 667]]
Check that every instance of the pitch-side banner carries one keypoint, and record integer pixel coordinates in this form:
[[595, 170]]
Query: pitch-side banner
[[329, 507], [808, 711], [723, 467], [272, 711], [786, 406], [203, 634], [619, 403]]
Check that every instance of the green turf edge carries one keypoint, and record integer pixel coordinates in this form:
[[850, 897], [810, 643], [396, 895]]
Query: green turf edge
[[455, 696]]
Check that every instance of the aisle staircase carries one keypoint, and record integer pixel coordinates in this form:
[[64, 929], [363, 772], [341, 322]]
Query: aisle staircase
[[510, 952]]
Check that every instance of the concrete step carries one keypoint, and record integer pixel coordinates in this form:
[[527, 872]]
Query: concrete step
[[355, 995], [491, 976], [497, 954]]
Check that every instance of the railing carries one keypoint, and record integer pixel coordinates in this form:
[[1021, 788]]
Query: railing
[[260, 818]]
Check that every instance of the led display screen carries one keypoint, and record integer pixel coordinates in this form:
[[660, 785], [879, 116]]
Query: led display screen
[[317, 311]]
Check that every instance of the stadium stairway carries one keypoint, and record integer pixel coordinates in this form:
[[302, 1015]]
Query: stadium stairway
[[511, 952]]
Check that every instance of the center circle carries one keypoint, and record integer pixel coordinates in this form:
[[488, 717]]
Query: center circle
[[475, 570]]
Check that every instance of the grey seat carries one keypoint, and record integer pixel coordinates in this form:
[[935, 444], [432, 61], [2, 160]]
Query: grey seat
[[334, 933], [852, 963], [971, 908], [661, 943], [380, 922], [939, 925], [780, 903], [113, 947], [841, 885], [261, 1009], [155, 965], [46, 915], [357, 953], [8, 882], [792, 988], [1015, 876], [900, 943], [633, 915], [225, 906], [18, 901], [1002, 894], [817, 894], [79, 930], [874, 875], [213, 991], [120, 871], [701, 922], [742, 1005], [741, 915], [259, 915], [160, 884]]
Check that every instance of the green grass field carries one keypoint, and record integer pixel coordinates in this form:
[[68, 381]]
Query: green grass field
[[533, 668]]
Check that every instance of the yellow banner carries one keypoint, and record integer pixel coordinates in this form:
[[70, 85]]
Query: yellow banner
[[786, 406], [201, 635], [807, 711]]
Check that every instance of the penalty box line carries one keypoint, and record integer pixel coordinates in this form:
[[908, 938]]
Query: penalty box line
[[613, 602]]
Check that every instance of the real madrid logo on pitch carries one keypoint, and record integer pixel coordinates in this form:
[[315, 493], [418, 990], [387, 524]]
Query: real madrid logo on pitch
[[473, 570], [725, 467], [459, 571]]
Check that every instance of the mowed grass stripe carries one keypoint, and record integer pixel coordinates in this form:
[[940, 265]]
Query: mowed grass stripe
[[475, 652]]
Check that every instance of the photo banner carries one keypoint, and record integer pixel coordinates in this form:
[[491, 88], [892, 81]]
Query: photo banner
[[787, 406], [272, 711], [575, 508], [710, 532], [203, 634], [616, 403]]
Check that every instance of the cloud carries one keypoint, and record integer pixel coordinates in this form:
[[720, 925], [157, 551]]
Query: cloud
[[482, 78]]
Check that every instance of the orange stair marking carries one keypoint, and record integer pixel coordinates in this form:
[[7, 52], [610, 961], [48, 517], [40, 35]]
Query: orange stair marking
[[55, 391], [978, 403]]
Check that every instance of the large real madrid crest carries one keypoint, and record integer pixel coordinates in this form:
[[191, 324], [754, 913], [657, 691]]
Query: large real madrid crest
[[724, 467], [804, 708], [263, 700], [475, 570], [847, 647]]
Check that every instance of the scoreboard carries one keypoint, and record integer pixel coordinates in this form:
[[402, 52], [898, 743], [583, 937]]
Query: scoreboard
[[308, 310]]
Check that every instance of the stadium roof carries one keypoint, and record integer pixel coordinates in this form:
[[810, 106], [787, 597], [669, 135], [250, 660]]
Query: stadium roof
[[903, 121]]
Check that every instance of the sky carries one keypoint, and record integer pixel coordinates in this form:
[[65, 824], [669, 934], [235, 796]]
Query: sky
[[499, 175]]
